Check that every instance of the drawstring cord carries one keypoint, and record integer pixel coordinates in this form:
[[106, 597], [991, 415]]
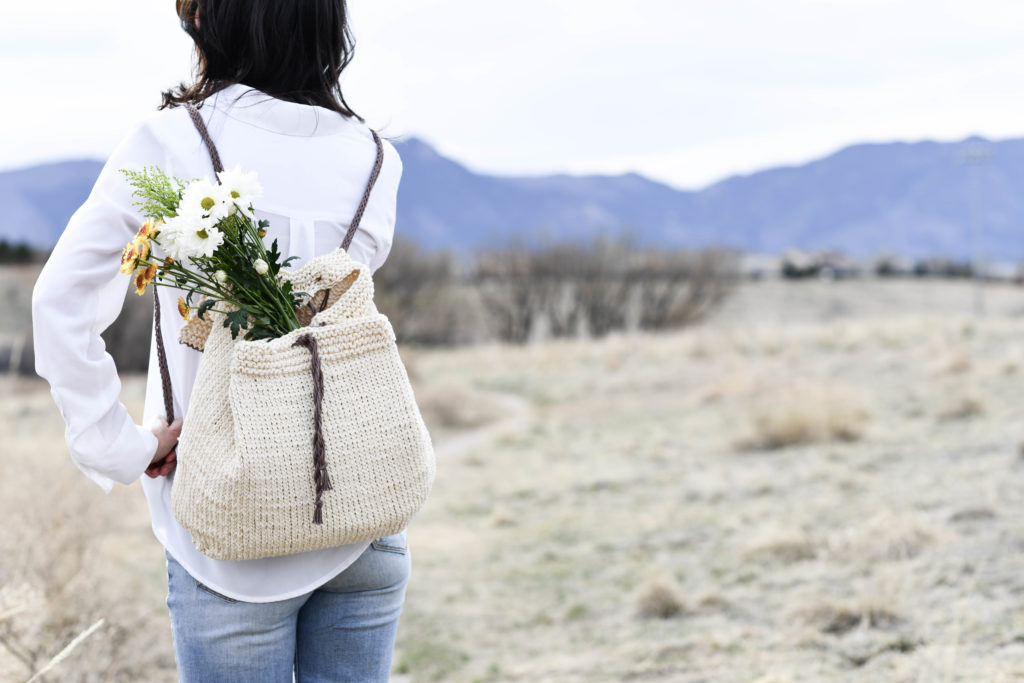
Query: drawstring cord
[[320, 476]]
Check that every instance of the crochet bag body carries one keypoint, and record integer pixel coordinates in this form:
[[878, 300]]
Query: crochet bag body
[[307, 441]]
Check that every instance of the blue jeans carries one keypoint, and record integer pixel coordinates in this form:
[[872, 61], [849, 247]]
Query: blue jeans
[[342, 631]]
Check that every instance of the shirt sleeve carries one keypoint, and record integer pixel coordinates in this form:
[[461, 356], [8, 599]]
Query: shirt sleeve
[[79, 293]]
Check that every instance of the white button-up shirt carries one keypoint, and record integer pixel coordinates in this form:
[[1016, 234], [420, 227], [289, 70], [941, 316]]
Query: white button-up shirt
[[313, 164]]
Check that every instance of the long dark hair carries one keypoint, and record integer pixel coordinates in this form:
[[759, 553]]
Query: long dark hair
[[293, 51]]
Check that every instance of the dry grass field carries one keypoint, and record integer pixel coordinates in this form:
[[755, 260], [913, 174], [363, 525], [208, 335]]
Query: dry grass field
[[824, 482]]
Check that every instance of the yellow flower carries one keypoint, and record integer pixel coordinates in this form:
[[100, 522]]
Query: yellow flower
[[143, 249], [148, 231], [143, 278], [183, 308], [129, 258]]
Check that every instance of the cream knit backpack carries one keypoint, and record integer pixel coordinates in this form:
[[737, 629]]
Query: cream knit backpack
[[307, 441]]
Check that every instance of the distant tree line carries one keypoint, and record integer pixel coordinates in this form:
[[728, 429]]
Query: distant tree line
[[833, 265], [15, 253]]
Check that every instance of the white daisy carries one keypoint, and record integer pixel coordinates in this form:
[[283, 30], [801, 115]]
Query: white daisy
[[203, 242], [172, 238], [242, 187], [206, 199]]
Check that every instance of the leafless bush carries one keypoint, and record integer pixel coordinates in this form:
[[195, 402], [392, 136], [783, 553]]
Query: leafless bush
[[419, 292], [678, 287], [567, 289], [127, 339]]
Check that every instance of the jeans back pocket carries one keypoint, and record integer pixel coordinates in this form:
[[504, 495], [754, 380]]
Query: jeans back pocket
[[203, 587], [395, 543]]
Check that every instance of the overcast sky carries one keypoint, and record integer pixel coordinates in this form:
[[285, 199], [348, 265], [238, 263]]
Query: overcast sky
[[684, 92]]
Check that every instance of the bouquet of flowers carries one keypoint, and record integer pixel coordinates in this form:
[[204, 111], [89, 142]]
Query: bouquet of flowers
[[204, 238]]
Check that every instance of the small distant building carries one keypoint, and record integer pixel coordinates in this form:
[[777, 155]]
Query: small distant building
[[828, 265], [798, 264], [891, 265]]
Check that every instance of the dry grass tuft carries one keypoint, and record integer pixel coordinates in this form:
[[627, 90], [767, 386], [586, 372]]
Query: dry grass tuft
[[956, 363], [502, 516], [963, 407], [68, 649], [786, 546], [838, 618], [884, 536], [659, 600], [1010, 365], [806, 413]]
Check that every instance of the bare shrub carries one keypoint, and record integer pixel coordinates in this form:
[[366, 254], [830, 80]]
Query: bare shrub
[[127, 339], [678, 288], [421, 294], [568, 289]]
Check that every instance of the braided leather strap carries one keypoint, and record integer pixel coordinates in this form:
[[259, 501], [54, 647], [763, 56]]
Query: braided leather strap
[[200, 125], [366, 195], [161, 356]]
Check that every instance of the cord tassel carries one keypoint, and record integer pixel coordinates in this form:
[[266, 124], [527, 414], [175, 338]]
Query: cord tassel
[[318, 517], [326, 478], [321, 479]]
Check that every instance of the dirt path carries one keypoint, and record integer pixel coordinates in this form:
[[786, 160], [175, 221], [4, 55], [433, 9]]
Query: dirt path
[[518, 413]]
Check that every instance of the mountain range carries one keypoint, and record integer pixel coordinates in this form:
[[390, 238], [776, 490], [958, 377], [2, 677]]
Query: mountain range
[[911, 199]]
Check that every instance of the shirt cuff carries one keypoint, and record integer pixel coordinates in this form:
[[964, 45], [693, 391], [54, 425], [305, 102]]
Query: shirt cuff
[[129, 456]]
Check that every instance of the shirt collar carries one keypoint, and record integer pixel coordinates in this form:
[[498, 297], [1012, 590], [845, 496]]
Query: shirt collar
[[255, 107]]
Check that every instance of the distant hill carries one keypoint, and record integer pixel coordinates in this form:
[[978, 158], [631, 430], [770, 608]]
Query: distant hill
[[38, 201], [912, 199]]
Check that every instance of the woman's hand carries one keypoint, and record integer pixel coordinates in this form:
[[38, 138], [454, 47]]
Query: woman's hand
[[166, 457]]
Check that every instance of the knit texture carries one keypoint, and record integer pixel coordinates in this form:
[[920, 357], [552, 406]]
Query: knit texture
[[244, 485]]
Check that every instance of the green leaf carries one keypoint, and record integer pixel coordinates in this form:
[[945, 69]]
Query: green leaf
[[260, 333], [204, 307], [273, 256], [238, 320]]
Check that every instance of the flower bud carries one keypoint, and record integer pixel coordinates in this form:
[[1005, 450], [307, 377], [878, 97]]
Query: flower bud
[[221, 276], [260, 266]]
